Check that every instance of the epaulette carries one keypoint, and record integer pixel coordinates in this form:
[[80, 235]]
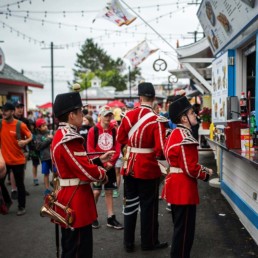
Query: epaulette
[[162, 119], [189, 140]]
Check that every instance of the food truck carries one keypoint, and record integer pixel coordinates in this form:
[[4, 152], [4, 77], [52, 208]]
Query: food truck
[[231, 28]]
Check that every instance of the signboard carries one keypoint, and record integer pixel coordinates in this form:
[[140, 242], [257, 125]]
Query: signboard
[[2, 60], [222, 20], [219, 88]]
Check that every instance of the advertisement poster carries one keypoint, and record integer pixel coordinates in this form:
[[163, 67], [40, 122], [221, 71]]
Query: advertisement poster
[[219, 88], [222, 20]]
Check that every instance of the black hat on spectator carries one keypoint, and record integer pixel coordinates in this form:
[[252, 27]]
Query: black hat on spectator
[[178, 107], [146, 89], [8, 106], [66, 102], [18, 104]]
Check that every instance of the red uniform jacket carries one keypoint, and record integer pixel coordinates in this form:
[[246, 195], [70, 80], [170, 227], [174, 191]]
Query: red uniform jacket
[[71, 161], [150, 134], [105, 142], [181, 152]]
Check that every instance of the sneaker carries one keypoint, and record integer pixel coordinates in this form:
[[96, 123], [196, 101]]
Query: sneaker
[[95, 224], [35, 182], [113, 223], [168, 208], [14, 194], [21, 211], [115, 194], [46, 192]]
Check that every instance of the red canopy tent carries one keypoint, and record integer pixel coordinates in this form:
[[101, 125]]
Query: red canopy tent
[[116, 103], [45, 106]]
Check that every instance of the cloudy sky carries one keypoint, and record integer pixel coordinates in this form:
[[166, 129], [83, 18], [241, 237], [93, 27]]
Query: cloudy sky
[[25, 24]]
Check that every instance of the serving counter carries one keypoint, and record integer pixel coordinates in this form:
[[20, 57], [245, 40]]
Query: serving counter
[[238, 173]]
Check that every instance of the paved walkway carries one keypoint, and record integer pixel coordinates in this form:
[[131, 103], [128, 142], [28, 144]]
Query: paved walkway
[[219, 233]]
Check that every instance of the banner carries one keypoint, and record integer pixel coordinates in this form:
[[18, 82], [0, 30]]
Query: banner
[[139, 53], [116, 13]]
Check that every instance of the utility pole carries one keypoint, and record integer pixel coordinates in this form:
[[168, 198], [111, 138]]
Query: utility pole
[[52, 47], [129, 80]]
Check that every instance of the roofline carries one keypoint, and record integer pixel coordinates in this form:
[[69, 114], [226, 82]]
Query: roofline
[[21, 83]]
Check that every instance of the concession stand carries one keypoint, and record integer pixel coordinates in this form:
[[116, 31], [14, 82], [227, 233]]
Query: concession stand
[[14, 86], [231, 28]]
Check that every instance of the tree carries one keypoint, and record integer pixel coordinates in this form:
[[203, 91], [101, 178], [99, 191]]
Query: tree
[[94, 61]]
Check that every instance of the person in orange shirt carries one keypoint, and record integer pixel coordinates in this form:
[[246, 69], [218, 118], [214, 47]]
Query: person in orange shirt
[[12, 152]]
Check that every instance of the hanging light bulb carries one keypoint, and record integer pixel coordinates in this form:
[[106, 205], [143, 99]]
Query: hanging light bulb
[[45, 14], [157, 7], [82, 13], [64, 13]]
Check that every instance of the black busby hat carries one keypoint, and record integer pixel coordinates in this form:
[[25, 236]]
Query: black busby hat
[[146, 89], [178, 107], [66, 102]]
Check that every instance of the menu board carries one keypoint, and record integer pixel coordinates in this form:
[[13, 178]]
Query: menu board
[[220, 88], [222, 20]]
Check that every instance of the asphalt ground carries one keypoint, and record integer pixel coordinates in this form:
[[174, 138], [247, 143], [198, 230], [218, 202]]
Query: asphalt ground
[[219, 233]]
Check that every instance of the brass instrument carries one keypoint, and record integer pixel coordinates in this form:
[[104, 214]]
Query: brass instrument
[[47, 210]]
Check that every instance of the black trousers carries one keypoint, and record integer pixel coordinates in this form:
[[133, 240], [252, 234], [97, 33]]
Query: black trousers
[[183, 217], [77, 243], [143, 193], [18, 172]]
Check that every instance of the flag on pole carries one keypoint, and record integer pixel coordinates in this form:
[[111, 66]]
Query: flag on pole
[[116, 13], [139, 53]]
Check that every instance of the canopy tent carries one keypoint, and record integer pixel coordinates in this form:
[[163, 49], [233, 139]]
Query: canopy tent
[[116, 103], [47, 105]]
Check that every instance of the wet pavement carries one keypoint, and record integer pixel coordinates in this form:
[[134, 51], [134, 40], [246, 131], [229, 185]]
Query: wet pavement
[[219, 233]]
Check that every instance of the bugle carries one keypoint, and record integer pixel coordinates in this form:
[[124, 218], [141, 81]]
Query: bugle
[[48, 210]]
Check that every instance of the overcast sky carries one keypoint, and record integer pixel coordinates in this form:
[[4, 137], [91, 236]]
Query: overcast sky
[[68, 23]]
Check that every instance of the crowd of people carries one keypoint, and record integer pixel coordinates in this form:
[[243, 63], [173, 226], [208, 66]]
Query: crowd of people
[[90, 152]]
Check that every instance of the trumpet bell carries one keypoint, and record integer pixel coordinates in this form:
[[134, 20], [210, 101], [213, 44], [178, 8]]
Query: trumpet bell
[[50, 213]]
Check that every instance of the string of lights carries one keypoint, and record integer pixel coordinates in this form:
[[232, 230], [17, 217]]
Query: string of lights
[[106, 32], [16, 3], [78, 44], [91, 29], [83, 12]]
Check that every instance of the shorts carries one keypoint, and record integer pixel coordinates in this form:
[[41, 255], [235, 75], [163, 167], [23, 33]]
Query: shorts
[[119, 162], [47, 167], [35, 161], [110, 185]]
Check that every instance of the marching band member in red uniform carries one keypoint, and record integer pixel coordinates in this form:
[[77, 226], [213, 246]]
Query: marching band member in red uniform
[[180, 187], [143, 132], [75, 171]]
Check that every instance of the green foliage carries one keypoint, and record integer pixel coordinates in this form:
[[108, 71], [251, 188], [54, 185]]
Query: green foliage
[[93, 61]]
